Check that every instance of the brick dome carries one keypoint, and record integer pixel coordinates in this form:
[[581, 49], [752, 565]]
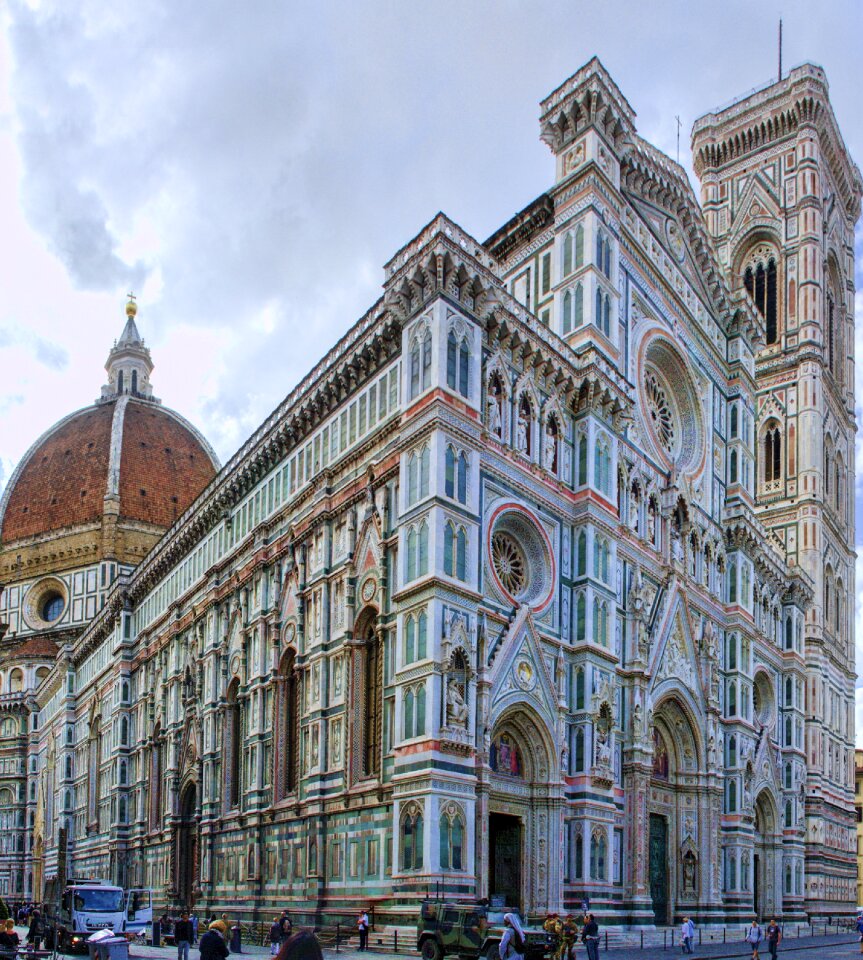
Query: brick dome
[[143, 459]]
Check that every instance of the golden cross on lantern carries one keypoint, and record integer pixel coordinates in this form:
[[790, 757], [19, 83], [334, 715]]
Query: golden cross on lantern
[[131, 296]]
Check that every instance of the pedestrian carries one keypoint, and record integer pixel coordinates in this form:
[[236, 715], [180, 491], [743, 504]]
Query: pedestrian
[[859, 926], [754, 936], [213, 946], [363, 927], [590, 937], [9, 939], [36, 931], [194, 921], [512, 942], [774, 937], [286, 924], [183, 936], [276, 936], [585, 904], [687, 932]]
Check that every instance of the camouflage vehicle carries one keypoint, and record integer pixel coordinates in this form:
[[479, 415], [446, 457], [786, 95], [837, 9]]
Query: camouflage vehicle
[[472, 930]]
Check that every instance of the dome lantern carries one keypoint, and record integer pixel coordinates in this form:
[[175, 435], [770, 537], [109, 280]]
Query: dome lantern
[[129, 364]]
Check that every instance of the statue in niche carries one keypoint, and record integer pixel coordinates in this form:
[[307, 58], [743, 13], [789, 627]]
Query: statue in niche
[[456, 708], [522, 427], [549, 453], [689, 872], [494, 417], [637, 724]]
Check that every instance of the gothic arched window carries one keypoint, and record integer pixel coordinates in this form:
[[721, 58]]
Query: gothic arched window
[[371, 704], [412, 839], [233, 745], [451, 841], [760, 282], [772, 453], [287, 727]]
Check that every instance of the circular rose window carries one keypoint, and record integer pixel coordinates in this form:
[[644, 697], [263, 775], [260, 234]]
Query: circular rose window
[[670, 407], [45, 603], [520, 557]]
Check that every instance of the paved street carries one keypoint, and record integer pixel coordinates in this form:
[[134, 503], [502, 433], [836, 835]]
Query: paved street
[[840, 947]]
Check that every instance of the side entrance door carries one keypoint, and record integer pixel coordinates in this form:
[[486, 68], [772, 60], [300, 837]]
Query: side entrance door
[[658, 846]]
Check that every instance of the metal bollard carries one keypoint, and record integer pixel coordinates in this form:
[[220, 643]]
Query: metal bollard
[[338, 933], [236, 940], [157, 933], [642, 939], [396, 938]]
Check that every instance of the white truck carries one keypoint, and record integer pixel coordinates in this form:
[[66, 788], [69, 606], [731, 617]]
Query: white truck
[[84, 906]]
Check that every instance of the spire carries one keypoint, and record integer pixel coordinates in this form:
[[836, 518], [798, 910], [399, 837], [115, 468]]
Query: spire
[[129, 364]]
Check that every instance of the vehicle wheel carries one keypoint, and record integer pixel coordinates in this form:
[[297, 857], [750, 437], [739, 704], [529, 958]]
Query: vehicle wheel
[[431, 950]]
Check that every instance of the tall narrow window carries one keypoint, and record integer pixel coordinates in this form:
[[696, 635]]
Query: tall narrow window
[[423, 550], [451, 360], [449, 472], [410, 640], [422, 629], [582, 460], [464, 368], [372, 703], [461, 554], [578, 306], [233, 745], [120, 382], [567, 311], [415, 370], [411, 564], [579, 246], [134, 382], [427, 359], [831, 338], [770, 304], [287, 707], [567, 255], [462, 478]]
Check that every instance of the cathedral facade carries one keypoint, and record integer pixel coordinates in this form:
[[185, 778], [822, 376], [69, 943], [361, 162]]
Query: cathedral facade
[[538, 586]]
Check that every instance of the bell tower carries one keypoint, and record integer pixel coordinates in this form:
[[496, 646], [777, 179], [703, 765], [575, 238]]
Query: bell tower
[[781, 197]]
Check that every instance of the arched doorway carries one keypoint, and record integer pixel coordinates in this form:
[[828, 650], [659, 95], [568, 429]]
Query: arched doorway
[[187, 846], [523, 828], [766, 878], [674, 873]]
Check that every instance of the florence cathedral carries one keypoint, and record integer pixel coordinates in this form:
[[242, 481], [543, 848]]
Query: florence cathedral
[[539, 585]]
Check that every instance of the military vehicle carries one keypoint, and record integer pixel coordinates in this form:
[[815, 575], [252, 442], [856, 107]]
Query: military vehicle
[[472, 930]]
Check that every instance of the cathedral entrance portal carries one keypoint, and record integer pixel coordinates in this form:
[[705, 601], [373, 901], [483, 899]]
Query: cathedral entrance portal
[[505, 857], [658, 850], [765, 885], [187, 847]]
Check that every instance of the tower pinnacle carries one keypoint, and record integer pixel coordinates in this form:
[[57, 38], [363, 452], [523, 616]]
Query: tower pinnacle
[[129, 364]]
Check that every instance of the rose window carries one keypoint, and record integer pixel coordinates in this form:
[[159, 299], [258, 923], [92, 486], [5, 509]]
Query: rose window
[[509, 562], [660, 412], [520, 559], [670, 405]]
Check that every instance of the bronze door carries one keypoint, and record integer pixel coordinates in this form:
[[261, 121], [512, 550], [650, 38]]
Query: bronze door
[[504, 840], [658, 846]]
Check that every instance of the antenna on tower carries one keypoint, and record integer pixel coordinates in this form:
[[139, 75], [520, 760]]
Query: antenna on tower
[[678, 137], [780, 50]]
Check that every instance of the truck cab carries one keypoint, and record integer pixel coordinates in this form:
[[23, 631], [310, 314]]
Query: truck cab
[[81, 908]]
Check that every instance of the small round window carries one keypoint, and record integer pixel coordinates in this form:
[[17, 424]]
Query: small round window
[[52, 607]]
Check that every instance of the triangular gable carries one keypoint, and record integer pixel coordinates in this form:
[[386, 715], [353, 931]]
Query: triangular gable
[[290, 598], [521, 671], [367, 553], [676, 658], [757, 205]]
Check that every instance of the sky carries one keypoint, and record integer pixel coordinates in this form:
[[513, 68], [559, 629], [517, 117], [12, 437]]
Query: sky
[[247, 168]]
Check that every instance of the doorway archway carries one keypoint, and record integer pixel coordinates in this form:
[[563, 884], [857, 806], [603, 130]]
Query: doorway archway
[[766, 875], [187, 846], [674, 871], [524, 814]]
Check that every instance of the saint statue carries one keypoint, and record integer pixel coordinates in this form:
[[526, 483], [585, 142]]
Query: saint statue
[[493, 417], [521, 433], [456, 708]]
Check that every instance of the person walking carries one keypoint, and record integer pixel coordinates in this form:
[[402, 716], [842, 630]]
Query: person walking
[[363, 927], [183, 936], [859, 928], [512, 942], [754, 936], [276, 936], [213, 946], [687, 933], [193, 919], [36, 931], [301, 946], [774, 937], [590, 937]]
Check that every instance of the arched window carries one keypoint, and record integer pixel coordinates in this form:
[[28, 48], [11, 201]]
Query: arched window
[[732, 467], [579, 750], [732, 699], [411, 555], [423, 549], [69, 767], [760, 284], [567, 312], [410, 640], [408, 711], [412, 839], [461, 486], [732, 583], [567, 255], [123, 775], [463, 385], [579, 854], [233, 745], [371, 702], [124, 731], [831, 336], [134, 382], [419, 468], [732, 751], [578, 306], [449, 549], [606, 315], [422, 625], [581, 555], [772, 453], [451, 841], [598, 855], [580, 618], [449, 471], [789, 692], [598, 309], [789, 822], [579, 689], [579, 246], [733, 429], [582, 460], [120, 383], [451, 360], [420, 363], [461, 554], [157, 771], [732, 801]]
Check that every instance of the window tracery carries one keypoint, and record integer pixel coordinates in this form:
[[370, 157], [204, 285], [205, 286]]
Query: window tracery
[[759, 279]]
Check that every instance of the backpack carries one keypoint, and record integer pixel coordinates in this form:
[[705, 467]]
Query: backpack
[[517, 942]]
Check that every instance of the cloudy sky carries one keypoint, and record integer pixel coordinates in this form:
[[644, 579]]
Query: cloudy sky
[[247, 168]]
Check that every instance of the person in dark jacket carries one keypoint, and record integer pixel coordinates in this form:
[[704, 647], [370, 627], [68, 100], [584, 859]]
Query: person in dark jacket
[[36, 932], [212, 945], [301, 945], [590, 937], [275, 937], [9, 939], [184, 934]]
